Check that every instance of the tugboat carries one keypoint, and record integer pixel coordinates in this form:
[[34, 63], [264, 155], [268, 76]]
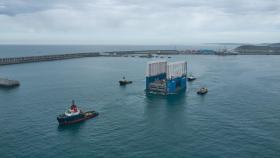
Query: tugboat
[[191, 78], [74, 115], [124, 82], [202, 91]]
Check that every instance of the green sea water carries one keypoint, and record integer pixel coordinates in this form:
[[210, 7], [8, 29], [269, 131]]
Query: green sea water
[[239, 117]]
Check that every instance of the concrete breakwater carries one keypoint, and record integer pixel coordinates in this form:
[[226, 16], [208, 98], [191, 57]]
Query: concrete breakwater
[[29, 59]]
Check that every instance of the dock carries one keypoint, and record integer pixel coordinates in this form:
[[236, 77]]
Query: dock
[[8, 83]]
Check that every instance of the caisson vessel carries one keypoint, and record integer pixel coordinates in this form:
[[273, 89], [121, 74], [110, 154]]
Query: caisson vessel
[[74, 115]]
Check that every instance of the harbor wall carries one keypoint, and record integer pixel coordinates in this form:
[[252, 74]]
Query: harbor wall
[[8, 83], [29, 59]]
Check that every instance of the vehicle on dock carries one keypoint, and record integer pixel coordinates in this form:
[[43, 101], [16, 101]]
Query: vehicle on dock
[[202, 91], [191, 78], [74, 115], [124, 82]]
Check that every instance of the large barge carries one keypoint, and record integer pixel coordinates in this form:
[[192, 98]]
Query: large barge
[[166, 78]]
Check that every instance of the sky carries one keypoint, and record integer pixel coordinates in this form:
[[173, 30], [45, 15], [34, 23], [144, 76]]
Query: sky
[[139, 22]]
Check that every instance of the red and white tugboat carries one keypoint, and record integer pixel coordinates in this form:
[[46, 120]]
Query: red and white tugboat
[[74, 115]]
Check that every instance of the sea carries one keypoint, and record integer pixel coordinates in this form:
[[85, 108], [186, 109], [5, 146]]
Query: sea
[[238, 118]]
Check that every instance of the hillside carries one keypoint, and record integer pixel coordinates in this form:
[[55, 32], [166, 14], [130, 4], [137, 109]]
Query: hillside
[[269, 49]]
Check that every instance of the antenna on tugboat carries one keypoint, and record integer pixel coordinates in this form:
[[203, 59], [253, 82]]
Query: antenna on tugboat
[[73, 102]]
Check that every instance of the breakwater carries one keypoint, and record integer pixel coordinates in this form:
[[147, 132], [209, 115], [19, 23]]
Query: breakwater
[[139, 53], [8, 83], [29, 59]]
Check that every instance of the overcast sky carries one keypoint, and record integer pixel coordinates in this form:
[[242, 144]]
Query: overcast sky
[[138, 21]]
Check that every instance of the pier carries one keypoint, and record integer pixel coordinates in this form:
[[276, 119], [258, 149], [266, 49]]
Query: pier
[[29, 59], [8, 83]]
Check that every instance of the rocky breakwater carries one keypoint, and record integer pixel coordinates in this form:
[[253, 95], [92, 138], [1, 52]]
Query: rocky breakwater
[[261, 49]]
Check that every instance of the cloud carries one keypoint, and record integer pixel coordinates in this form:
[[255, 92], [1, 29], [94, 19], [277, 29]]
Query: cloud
[[138, 21]]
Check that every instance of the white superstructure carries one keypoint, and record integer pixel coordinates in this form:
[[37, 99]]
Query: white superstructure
[[176, 69], [156, 67]]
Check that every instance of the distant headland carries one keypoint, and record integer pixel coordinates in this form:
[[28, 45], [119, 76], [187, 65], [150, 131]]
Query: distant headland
[[261, 49]]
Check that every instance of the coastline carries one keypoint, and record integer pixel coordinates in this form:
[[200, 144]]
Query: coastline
[[140, 53]]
